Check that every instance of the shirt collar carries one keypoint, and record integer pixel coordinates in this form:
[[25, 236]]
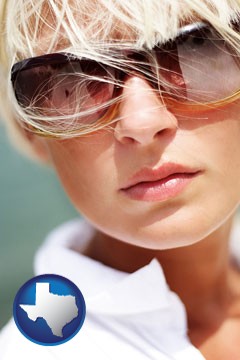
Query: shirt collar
[[141, 300], [106, 290]]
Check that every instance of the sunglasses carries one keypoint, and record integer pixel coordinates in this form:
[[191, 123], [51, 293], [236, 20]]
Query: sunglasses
[[62, 92]]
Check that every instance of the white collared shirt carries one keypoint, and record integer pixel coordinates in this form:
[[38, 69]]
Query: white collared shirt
[[129, 316]]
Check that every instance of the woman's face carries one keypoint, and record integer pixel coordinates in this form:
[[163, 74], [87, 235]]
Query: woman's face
[[156, 179]]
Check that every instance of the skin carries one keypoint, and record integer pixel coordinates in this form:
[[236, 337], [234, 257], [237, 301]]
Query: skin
[[188, 233]]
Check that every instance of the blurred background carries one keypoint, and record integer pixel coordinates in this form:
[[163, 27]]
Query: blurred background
[[32, 203]]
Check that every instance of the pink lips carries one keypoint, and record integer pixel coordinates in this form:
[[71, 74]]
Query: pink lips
[[159, 184]]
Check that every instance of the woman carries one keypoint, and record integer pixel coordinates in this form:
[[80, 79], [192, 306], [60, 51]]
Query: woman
[[136, 105]]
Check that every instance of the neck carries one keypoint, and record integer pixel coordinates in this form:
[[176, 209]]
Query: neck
[[201, 274]]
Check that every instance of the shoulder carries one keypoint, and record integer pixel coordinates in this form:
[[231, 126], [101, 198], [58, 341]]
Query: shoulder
[[14, 345]]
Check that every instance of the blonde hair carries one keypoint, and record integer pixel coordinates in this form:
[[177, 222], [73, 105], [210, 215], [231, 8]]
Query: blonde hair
[[85, 25]]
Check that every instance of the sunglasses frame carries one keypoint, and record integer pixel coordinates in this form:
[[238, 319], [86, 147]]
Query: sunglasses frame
[[171, 103]]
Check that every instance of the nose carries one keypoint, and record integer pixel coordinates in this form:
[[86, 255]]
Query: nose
[[143, 115]]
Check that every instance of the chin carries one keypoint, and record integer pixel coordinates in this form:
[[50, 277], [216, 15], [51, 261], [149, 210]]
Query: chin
[[172, 232]]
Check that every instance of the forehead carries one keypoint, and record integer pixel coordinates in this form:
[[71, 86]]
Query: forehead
[[80, 23], [61, 25]]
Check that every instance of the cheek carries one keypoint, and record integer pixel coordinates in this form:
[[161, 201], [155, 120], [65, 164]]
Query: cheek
[[221, 147], [217, 146], [214, 138], [87, 172]]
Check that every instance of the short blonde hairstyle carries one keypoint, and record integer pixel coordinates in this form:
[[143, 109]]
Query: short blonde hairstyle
[[83, 24]]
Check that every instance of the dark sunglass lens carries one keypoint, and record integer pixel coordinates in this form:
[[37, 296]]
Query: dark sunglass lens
[[69, 87], [199, 67], [170, 73]]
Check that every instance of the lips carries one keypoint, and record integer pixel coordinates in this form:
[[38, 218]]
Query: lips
[[159, 184]]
